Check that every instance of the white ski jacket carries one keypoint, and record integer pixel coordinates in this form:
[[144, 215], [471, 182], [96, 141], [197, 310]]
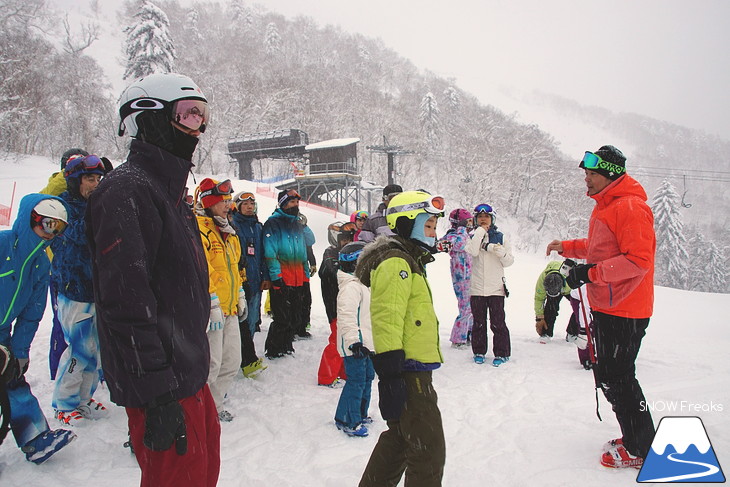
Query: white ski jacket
[[353, 314], [487, 267]]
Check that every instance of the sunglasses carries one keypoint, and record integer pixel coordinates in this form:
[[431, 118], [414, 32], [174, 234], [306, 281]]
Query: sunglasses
[[220, 189], [84, 163], [593, 161], [192, 114], [483, 208]]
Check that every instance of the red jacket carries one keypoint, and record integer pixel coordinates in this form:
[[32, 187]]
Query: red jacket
[[621, 242]]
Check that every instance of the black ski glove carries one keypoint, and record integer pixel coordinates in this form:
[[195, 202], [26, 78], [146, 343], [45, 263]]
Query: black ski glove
[[578, 275], [359, 350], [278, 283], [391, 386], [8, 365], [164, 424]]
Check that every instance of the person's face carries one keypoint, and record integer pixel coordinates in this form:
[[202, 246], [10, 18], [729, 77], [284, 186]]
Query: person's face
[[596, 182], [359, 222], [247, 207], [429, 228], [291, 204], [221, 208], [484, 220], [38, 229], [186, 130], [88, 183]]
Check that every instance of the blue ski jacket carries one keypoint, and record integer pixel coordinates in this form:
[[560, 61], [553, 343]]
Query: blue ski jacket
[[24, 278], [250, 232], [285, 248], [71, 265]]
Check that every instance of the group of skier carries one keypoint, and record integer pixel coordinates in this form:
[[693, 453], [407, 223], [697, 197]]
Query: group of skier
[[171, 337]]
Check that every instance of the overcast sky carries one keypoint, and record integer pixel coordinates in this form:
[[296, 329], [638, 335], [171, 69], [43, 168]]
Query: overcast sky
[[667, 59]]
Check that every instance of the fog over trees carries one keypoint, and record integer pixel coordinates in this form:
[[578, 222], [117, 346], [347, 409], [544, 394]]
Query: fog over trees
[[262, 72]]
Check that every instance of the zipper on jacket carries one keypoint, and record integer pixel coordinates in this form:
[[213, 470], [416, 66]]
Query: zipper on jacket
[[20, 280]]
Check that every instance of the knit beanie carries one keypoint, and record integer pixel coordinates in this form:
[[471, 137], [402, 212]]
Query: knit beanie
[[206, 193], [613, 165]]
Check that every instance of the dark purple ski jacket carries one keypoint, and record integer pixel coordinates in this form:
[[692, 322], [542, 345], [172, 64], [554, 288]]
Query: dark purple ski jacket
[[150, 279]]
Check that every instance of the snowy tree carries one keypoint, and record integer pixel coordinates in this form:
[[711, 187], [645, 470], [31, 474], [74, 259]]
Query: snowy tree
[[717, 275], [149, 45], [671, 253], [272, 40], [430, 119], [192, 24], [453, 98], [699, 253]]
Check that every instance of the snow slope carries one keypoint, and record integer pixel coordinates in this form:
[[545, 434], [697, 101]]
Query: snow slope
[[530, 422]]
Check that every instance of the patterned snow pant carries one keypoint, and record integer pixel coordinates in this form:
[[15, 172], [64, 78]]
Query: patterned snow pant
[[617, 345], [225, 358], [80, 364], [501, 341], [58, 344], [414, 444], [464, 321], [200, 466]]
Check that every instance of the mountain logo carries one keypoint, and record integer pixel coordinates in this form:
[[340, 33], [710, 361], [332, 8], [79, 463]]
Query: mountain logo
[[681, 452]]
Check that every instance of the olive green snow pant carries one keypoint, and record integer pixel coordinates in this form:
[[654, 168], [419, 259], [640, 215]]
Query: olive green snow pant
[[414, 444]]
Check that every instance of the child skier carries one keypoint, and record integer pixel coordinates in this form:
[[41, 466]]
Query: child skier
[[454, 242], [354, 343], [24, 277]]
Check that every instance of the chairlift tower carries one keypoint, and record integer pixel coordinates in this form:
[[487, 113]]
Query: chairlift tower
[[391, 151]]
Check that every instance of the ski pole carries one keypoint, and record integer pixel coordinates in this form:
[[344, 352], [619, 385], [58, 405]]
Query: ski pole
[[589, 334]]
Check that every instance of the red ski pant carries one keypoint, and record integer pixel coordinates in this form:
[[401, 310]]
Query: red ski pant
[[331, 366], [200, 466]]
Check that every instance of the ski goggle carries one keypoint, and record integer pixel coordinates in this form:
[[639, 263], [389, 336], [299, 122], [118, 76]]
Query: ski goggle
[[220, 189], [483, 208], [290, 194], [192, 114], [348, 227], [593, 161], [350, 257], [245, 197], [434, 205], [53, 226], [90, 164]]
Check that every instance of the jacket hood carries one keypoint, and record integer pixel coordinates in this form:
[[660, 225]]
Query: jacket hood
[[623, 186], [27, 238]]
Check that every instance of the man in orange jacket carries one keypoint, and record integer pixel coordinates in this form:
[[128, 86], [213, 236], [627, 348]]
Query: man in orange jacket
[[619, 274]]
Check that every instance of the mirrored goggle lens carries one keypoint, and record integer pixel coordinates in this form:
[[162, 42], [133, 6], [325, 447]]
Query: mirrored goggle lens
[[246, 197], [192, 114], [438, 203], [223, 188], [590, 160], [53, 226], [351, 257], [484, 208]]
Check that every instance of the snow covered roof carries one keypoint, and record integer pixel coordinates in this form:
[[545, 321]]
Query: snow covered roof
[[327, 144]]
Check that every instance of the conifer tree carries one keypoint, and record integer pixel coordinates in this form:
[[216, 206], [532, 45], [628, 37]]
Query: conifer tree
[[717, 271], [430, 119], [149, 45], [671, 251]]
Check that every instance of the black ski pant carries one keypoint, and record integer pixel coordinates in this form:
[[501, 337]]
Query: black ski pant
[[288, 313], [617, 345], [248, 350], [551, 311], [501, 345], [414, 444]]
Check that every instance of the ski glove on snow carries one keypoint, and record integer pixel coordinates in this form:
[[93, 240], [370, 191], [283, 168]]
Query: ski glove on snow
[[359, 350], [242, 305], [164, 424], [578, 275], [216, 313], [391, 386]]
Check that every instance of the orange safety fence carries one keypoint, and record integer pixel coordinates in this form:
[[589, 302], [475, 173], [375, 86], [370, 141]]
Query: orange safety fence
[[6, 210]]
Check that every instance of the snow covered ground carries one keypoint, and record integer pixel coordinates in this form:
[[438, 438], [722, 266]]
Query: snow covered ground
[[529, 422]]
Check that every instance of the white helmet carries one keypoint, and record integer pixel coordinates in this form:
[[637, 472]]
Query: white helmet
[[52, 208], [156, 92]]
